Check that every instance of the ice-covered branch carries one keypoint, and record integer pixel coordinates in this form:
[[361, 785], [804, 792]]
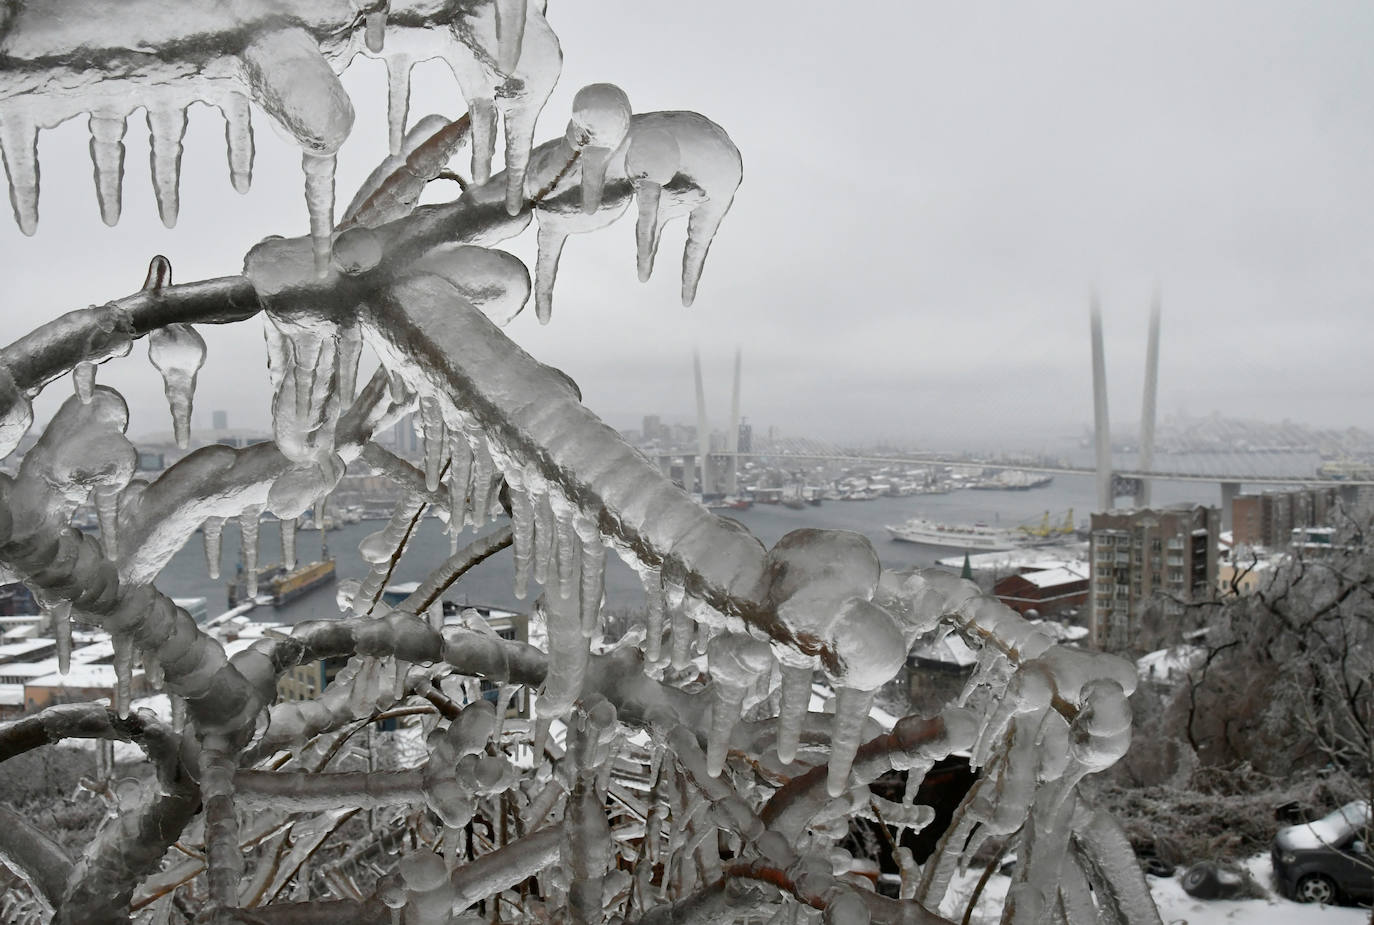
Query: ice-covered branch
[[95, 721], [129, 846], [914, 742], [842, 903], [717, 903], [30, 853]]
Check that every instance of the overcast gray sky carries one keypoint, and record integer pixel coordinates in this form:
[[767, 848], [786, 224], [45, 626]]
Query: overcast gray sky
[[929, 195]]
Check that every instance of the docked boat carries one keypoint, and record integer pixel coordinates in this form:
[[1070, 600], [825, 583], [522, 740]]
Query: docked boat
[[1013, 480], [283, 586], [959, 536]]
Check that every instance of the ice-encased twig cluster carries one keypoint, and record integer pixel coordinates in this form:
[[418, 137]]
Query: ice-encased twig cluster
[[60, 62], [693, 782]]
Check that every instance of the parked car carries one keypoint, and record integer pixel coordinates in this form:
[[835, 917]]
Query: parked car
[[1326, 861]]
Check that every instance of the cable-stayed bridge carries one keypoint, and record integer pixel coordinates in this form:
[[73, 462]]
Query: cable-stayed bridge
[[1208, 449]]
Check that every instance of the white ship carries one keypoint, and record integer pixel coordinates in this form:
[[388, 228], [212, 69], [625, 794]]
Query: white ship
[[959, 536]]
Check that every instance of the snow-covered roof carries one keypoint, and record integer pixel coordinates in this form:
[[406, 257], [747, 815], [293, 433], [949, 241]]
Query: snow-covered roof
[[15, 651], [1032, 557], [100, 676], [1058, 575], [11, 695]]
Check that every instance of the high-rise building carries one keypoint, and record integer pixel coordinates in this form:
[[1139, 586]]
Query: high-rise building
[[653, 427], [219, 420], [1269, 519], [746, 438], [1139, 555]]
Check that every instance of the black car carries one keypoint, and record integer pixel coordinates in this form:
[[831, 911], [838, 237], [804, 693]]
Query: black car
[[1326, 860]]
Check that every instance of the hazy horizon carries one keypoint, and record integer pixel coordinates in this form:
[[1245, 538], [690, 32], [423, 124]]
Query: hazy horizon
[[930, 194]]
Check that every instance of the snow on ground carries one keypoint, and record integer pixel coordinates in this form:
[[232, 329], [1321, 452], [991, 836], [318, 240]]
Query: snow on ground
[[1175, 906]]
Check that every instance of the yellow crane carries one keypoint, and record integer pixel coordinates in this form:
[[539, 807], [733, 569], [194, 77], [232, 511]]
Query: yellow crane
[[1045, 531]]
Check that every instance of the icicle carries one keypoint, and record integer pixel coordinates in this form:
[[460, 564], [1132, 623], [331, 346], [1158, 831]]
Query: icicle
[[851, 710], [510, 33], [483, 470], [482, 111], [374, 31], [319, 201], [107, 513], [600, 119], [248, 529], [213, 531], [288, 542], [434, 436], [593, 574], [701, 229], [124, 670], [569, 653], [350, 351], [166, 129], [362, 694], [178, 713], [459, 471], [398, 98], [238, 139], [61, 615], [152, 670], [653, 591], [102, 761], [734, 662], [398, 687], [551, 238], [397, 388], [522, 526], [796, 701], [504, 695], [869, 650], [453, 846], [544, 532], [683, 634], [83, 379], [651, 163], [568, 556], [178, 352], [705, 169], [107, 154], [19, 146], [915, 776]]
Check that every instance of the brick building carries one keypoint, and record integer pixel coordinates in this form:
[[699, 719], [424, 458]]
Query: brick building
[[1141, 554], [1269, 519], [1046, 591]]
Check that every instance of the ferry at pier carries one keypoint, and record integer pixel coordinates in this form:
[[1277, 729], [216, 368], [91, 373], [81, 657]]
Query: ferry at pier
[[978, 536]]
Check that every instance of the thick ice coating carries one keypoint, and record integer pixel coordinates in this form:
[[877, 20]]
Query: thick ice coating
[[735, 662], [600, 120], [811, 575], [178, 353], [706, 172], [869, 651]]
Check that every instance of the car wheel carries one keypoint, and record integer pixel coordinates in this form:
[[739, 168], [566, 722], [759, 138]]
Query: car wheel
[[1314, 888], [1200, 881]]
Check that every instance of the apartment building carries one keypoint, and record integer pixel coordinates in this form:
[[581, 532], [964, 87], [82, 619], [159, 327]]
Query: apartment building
[[1269, 519], [1139, 556]]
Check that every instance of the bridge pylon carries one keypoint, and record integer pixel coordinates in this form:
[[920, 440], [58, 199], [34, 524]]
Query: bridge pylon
[[1111, 485]]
